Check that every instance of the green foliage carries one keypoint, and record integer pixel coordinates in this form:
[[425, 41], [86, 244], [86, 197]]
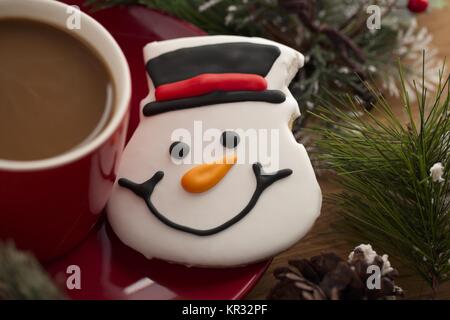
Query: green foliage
[[389, 198], [22, 277]]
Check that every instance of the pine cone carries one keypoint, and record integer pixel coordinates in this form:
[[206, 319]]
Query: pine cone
[[328, 277]]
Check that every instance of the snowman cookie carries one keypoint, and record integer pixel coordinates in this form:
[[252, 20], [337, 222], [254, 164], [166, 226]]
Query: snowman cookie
[[213, 175]]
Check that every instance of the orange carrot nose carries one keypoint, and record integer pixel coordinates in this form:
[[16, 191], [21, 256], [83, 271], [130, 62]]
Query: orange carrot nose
[[205, 176]]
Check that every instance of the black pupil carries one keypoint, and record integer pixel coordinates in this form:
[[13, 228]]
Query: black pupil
[[178, 149], [230, 139]]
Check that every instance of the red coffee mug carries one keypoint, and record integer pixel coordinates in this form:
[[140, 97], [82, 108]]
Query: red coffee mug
[[48, 206]]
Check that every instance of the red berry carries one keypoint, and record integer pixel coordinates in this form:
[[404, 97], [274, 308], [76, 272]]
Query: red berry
[[417, 6]]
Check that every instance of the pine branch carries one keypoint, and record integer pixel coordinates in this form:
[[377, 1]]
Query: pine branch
[[22, 277], [302, 7], [389, 197]]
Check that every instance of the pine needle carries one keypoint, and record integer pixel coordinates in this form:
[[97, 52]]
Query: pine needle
[[388, 196], [22, 277]]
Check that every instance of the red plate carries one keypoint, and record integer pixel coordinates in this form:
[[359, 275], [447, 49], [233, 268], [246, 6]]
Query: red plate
[[109, 269]]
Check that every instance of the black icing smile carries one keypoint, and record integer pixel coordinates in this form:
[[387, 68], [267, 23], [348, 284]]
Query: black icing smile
[[145, 190]]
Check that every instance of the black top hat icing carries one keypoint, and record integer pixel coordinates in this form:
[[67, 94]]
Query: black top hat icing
[[212, 74]]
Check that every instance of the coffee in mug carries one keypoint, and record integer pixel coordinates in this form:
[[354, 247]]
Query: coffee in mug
[[56, 93]]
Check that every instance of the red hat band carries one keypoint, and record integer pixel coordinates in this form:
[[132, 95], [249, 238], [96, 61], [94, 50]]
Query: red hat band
[[210, 82]]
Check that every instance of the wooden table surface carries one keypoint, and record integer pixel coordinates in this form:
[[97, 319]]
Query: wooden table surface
[[322, 238]]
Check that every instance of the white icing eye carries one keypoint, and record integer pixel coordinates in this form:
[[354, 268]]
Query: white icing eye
[[178, 150], [230, 139]]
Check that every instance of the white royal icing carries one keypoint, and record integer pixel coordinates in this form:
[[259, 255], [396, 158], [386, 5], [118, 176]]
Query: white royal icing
[[284, 213]]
